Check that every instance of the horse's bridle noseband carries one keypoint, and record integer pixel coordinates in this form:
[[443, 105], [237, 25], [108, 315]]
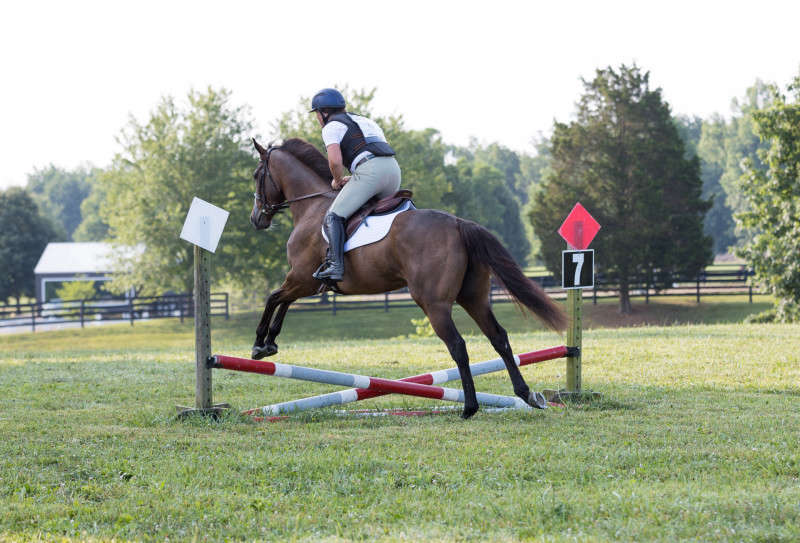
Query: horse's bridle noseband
[[265, 207]]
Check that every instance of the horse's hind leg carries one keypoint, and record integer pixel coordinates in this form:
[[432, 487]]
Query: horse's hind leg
[[439, 315], [474, 298]]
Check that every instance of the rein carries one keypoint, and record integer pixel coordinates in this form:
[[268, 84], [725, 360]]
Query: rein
[[268, 208]]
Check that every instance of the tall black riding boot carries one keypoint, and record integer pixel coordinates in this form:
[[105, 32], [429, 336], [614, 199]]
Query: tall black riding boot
[[334, 229]]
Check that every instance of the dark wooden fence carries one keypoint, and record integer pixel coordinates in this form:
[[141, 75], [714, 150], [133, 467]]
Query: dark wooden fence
[[88, 311], [709, 283]]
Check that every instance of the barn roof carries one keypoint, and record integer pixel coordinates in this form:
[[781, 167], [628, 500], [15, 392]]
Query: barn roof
[[68, 258]]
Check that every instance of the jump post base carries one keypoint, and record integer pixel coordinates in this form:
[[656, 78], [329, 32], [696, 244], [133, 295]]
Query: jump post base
[[561, 396], [214, 412]]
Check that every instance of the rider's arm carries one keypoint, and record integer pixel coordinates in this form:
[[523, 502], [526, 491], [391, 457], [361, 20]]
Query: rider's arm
[[336, 165]]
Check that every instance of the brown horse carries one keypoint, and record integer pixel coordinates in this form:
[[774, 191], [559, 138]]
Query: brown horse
[[440, 258]]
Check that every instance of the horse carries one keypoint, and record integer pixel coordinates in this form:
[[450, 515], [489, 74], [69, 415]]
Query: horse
[[441, 258]]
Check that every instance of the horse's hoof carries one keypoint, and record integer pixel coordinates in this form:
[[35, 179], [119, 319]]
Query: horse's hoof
[[468, 412], [537, 400], [262, 351]]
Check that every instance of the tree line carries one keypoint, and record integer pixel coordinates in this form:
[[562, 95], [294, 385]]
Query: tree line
[[670, 191]]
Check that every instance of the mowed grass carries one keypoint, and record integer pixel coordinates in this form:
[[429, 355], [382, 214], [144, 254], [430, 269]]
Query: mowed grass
[[695, 436]]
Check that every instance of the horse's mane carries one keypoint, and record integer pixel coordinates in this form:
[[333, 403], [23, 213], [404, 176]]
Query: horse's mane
[[308, 155]]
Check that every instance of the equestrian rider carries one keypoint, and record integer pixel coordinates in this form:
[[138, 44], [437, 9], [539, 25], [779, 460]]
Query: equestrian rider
[[357, 143]]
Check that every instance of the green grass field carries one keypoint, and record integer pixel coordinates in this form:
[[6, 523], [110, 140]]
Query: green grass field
[[695, 436]]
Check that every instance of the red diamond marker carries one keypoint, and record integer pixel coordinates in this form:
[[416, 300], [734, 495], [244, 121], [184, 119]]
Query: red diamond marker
[[579, 228]]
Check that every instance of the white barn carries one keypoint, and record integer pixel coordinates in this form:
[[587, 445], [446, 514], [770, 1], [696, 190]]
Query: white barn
[[62, 262]]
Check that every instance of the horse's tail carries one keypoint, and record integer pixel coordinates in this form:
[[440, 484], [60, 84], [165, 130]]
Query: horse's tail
[[483, 247]]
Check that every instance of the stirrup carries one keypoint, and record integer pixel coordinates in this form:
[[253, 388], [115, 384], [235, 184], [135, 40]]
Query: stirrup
[[331, 272], [324, 271]]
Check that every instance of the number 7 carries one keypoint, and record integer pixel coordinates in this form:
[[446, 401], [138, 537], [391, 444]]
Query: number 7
[[577, 258]]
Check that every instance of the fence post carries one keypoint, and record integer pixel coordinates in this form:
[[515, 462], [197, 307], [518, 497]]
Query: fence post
[[385, 302], [647, 290], [750, 293], [227, 314], [82, 302], [130, 304], [33, 315], [333, 304], [594, 293], [698, 289]]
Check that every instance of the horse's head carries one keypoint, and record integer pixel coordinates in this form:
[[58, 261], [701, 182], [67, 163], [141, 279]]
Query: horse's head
[[268, 198]]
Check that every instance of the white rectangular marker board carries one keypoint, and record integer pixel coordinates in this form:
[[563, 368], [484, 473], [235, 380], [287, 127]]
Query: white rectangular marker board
[[204, 224]]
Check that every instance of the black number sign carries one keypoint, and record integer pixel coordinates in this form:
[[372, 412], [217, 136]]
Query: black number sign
[[577, 269]]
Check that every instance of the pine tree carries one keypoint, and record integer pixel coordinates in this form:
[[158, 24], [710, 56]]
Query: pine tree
[[624, 160]]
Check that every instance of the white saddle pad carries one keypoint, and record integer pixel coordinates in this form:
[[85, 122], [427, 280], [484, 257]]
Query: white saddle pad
[[373, 229]]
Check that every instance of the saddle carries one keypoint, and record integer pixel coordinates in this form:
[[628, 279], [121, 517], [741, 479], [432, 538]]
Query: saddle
[[372, 207], [375, 206]]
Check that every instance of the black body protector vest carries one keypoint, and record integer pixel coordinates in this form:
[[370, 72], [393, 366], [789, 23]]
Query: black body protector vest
[[354, 143]]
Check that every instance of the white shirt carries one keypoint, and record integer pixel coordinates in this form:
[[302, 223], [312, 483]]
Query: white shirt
[[334, 131]]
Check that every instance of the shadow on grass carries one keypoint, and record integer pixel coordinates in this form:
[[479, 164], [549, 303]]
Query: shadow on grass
[[603, 403]]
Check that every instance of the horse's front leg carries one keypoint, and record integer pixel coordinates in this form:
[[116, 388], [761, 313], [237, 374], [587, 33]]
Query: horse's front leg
[[269, 346], [262, 348], [298, 284]]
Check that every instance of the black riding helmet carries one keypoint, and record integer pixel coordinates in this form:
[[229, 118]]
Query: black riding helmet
[[327, 99]]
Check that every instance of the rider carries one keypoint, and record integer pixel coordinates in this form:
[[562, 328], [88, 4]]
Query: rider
[[357, 143]]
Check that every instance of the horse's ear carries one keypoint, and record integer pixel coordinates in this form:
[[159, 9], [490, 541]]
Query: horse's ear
[[258, 147]]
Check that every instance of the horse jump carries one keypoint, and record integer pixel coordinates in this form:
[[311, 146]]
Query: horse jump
[[442, 259], [370, 387]]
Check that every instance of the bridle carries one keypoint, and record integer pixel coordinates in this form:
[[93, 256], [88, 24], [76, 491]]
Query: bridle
[[265, 207]]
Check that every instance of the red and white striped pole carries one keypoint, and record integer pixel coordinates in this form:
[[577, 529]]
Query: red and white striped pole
[[359, 381], [379, 387]]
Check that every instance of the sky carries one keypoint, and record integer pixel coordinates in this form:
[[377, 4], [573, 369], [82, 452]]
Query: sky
[[73, 73]]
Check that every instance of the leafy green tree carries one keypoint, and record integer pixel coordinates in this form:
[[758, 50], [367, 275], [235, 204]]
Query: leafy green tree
[[723, 145], [481, 194], [690, 129], [60, 192], [534, 168], [508, 162], [76, 290], [743, 143], [24, 233], [521, 172], [201, 150], [92, 226], [773, 201], [421, 155], [624, 160], [708, 140], [711, 149]]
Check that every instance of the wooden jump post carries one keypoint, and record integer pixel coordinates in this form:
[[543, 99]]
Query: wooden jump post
[[577, 273], [203, 228]]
